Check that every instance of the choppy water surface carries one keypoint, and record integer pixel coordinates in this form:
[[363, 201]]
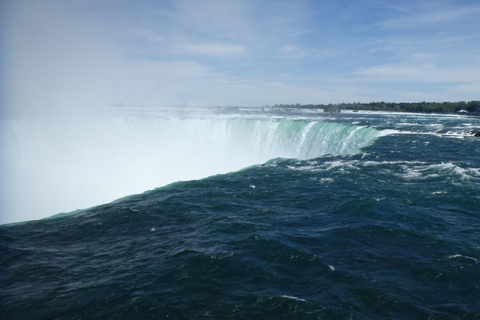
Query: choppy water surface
[[361, 216]]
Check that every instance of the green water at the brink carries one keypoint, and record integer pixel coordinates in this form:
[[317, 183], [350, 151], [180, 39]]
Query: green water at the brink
[[385, 228]]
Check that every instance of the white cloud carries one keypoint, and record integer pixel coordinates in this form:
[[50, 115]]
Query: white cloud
[[421, 73], [429, 13], [424, 55], [144, 33], [469, 90], [57, 64], [210, 16], [62, 54], [210, 49], [390, 71], [295, 51]]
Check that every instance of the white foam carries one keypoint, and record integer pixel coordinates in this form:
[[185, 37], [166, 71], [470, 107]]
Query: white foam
[[462, 256], [428, 171], [293, 298]]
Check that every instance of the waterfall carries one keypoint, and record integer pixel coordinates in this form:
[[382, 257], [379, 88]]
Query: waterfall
[[62, 164]]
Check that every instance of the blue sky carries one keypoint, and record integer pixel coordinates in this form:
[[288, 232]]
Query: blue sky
[[249, 53]]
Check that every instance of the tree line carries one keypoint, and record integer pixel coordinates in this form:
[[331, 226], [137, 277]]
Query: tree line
[[423, 107]]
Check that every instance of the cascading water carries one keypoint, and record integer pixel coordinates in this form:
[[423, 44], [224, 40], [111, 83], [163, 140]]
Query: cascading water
[[64, 164], [335, 237]]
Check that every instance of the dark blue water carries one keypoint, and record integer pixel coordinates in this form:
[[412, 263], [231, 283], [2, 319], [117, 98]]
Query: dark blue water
[[387, 230]]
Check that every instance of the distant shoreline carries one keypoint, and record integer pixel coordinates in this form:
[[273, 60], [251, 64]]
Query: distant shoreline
[[461, 107]]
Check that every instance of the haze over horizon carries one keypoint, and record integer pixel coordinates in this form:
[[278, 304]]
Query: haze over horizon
[[73, 54]]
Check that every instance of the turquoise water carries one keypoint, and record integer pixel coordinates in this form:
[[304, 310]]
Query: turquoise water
[[361, 216]]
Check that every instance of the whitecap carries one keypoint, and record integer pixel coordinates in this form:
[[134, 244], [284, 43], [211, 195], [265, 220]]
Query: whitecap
[[326, 180], [454, 256], [293, 298]]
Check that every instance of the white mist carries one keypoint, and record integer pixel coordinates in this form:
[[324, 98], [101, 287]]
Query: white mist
[[59, 164]]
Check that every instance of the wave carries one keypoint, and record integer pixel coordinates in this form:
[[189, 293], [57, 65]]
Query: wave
[[65, 164]]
